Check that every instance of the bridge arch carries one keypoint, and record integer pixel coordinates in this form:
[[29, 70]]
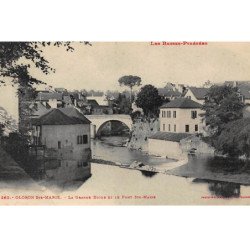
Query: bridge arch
[[98, 120], [98, 131]]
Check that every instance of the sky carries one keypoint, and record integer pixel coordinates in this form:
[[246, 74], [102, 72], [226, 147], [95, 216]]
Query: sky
[[101, 65]]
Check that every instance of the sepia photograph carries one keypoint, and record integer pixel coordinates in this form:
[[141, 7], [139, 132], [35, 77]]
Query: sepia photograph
[[124, 123]]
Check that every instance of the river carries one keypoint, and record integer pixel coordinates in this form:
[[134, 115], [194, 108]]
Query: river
[[200, 186], [112, 148]]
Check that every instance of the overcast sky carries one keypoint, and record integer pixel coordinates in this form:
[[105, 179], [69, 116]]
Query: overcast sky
[[100, 66]]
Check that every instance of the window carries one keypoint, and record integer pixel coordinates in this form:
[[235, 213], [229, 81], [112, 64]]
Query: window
[[163, 127], [59, 145], [174, 128], [193, 114], [82, 139], [196, 127], [186, 128], [169, 114], [174, 114], [163, 113], [85, 139], [82, 164], [169, 127]]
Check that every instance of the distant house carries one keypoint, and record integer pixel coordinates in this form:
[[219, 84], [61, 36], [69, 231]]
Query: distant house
[[92, 103], [179, 119], [64, 130], [78, 98], [101, 99], [60, 90], [53, 99], [102, 110], [93, 108], [169, 93], [197, 94]]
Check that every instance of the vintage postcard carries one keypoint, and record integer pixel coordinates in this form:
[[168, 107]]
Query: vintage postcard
[[125, 123]]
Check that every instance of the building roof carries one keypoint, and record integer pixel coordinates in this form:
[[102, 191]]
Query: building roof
[[168, 92], [40, 109], [63, 116], [166, 136], [199, 93], [184, 103], [43, 96], [93, 103], [74, 113]]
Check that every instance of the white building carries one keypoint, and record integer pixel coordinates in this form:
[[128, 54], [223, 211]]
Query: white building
[[179, 120], [65, 130], [181, 115]]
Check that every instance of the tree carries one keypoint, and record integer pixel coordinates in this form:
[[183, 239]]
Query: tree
[[222, 105], [234, 140], [1, 130], [207, 84], [149, 100], [122, 104], [17, 57], [130, 81]]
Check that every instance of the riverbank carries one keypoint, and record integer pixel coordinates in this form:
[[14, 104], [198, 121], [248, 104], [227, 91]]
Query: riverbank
[[9, 169], [13, 177], [179, 169]]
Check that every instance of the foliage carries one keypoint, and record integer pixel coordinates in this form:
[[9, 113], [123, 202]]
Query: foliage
[[16, 145], [122, 104], [1, 129], [149, 100], [130, 81], [234, 139], [221, 106], [12, 55], [136, 115]]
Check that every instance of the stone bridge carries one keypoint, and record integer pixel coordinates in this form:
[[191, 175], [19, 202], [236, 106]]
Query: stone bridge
[[98, 120]]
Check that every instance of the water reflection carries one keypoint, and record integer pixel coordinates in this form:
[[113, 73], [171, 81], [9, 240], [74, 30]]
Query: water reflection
[[227, 165], [148, 173], [221, 189], [67, 169]]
